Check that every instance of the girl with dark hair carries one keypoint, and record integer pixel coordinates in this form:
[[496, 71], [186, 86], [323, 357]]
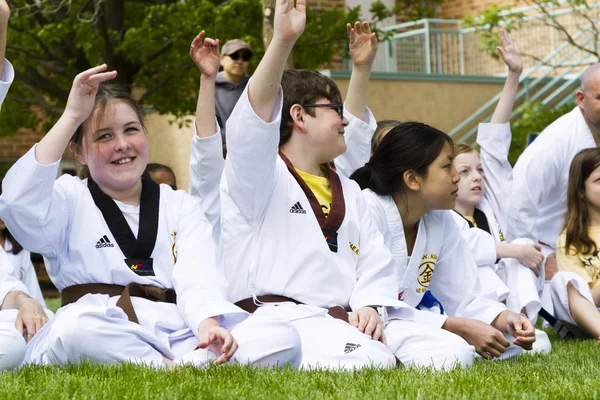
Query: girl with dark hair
[[409, 183], [575, 288], [130, 257]]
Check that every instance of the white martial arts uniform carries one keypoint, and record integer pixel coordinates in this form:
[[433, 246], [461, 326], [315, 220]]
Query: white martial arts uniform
[[8, 75], [442, 263], [60, 220], [512, 281], [538, 197], [24, 271], [274, 245]]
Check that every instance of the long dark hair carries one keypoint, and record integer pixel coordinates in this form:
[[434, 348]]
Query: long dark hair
[[577, 216], [407, 146], [16, 246]]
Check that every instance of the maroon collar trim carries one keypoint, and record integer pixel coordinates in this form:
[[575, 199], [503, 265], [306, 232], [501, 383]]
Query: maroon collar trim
[[338, 206]]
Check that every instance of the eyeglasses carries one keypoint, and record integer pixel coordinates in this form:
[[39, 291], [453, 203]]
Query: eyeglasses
[[337, 107], [236, 56]]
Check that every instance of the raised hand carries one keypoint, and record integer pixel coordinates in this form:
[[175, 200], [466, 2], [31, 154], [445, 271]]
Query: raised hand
[[289, 20], [206, 55], [83, 92], [363, 43], [510, 53]]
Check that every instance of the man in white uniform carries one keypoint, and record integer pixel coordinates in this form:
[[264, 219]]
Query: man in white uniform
[[537, 200]]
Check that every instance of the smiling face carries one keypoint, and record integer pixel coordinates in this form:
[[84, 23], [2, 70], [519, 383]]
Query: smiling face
[[471, 186], [114, 147], [439, 187], [325, 131]]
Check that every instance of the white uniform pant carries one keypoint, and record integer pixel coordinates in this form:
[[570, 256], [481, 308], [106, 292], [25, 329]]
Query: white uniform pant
[[12, 343], [329, 343], [102, 333], [546, 297], [420, 345], [560, 298]]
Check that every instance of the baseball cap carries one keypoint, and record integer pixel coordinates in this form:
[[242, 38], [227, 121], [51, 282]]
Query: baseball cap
[[231, 46]]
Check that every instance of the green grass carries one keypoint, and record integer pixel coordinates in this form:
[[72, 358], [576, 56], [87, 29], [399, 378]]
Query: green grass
[[572, 370]]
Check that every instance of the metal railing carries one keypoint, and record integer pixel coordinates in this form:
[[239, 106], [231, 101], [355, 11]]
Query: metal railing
[[446, 47]]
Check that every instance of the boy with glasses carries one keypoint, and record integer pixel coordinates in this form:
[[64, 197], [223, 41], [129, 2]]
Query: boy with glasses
[[297, 239], [231, 82]]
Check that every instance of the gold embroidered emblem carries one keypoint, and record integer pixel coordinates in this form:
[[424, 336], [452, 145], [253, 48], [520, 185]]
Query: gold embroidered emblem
[[426, 271], [354, 248], [173, 251]]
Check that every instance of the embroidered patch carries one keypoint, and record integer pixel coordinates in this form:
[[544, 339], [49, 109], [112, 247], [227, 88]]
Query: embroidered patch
[[354, 248], [331, 239], [104, 242], [141, 267], [426, 271], [297, 209]]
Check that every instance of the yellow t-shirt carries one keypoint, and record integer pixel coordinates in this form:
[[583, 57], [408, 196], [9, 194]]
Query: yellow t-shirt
[[320, 187], [587, 266], [471, 220]]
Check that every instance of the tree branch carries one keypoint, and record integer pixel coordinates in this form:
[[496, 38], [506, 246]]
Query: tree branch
[[163, 49]]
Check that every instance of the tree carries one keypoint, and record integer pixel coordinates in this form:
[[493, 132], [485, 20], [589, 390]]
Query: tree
[[147, 42], [585, 17]]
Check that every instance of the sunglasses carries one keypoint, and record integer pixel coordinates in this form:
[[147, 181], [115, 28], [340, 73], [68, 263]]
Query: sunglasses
[[337, 107], [236, 56]]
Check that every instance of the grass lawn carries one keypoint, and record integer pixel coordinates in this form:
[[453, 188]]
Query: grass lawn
[[572, 371]]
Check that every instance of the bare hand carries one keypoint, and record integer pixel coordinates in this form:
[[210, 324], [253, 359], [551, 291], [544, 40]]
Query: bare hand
[[31, 317], [4, 14], [206, 55], [83, 92], [522, 330], [217, 339], [289, 20], [368, 321], [363, 43], [510, 53], [530, 255], [488, 341]]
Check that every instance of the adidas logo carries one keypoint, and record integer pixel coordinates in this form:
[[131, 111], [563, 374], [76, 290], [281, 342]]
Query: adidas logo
[[104, 242], [350, 347], [297, 209]]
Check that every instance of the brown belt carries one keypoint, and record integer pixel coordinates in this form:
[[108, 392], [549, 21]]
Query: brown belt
[[248, 305], [73, 293]]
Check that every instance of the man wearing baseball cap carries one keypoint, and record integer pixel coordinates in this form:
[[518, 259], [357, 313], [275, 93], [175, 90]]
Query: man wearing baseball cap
[[231, 82]]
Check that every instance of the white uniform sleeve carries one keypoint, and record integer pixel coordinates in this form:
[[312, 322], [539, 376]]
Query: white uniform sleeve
[[8, 75], [358, 135], [206, 169], [455, 283], [481, 243], [35, 207], [377, 281], [8, 282], [494, 140], [201, 287], [534, 177], [252, 151], [30, 280]]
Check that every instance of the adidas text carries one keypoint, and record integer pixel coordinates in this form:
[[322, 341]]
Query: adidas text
[[297, 209], [104, 242]]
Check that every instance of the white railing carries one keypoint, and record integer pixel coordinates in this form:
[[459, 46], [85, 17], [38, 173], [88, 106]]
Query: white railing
[[446, 47]]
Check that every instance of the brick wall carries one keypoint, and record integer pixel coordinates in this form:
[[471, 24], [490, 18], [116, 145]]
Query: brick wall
[[11, 148], [459, 9]]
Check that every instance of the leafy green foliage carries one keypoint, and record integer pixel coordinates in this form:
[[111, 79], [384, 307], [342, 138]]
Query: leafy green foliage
[[533, 118], [147, 42]]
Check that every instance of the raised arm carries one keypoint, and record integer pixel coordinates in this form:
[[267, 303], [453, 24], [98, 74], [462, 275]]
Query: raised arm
[[359, 132], [4, 16], [511, 55], [363, 49], [206, 57], [79, 107], [264, 85]]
